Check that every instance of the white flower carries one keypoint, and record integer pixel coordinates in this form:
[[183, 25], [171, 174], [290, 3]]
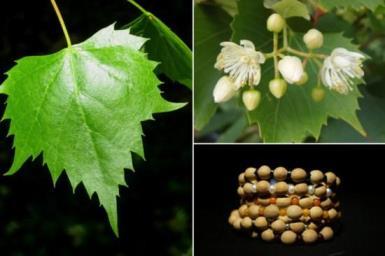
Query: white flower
[[291, 69], [224, 90], [241, 62], [341, 69]]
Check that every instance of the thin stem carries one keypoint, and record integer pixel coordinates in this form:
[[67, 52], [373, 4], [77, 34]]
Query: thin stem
[[62, 24], [285, 39], [305, 54], [137, 6], [276, 52]]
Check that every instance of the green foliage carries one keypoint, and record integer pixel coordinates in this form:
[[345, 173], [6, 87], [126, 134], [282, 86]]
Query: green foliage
[[211, 28], [371, 4], [164, 46], [291, 8], [82, 108]]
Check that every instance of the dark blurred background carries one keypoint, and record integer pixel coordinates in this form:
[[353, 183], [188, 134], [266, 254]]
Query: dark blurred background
[[362, 229], [155, 211]]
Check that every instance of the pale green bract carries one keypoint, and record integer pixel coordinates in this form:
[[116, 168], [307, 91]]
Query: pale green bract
[[82, 108]]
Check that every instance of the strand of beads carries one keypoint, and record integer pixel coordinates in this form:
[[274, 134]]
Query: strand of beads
[[287, 205]]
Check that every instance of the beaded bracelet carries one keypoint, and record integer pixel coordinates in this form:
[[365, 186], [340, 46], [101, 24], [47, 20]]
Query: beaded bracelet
[[287, 205]]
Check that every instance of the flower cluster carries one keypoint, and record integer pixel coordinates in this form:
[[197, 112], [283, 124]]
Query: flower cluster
[[242, 67]]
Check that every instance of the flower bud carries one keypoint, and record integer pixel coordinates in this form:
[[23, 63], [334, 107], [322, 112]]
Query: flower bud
[[318, 94], [278, 87], [251, 99], [313, 39], [275, 23], [224, 90], [291, 69], [303, 80]]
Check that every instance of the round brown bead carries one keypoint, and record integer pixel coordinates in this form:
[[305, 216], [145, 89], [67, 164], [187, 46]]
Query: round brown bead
[[263, 186], [298, 175], [316, 176], [330, 178], [264, 172], [240, 191], [320, 191], [248, 188], [243, 210], [278, 226], [250, 174], [294, 212], [281, 188], [261, 223], [309, 236], [327, 233], [253, 211], [300, 189], [271, 211], [306, 202], [246, 223], [241, 179], [316, 212], [268, 235], [288, 237], [280, 173], [297, 227]]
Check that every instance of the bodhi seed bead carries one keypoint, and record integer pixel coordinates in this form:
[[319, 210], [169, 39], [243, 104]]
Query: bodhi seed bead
[[280, 173], [332, 214], [327, 233], [316, 212], [261, 223], [253, 211], [294, 212], [281, 188], [283, 201], [288, 237], [240, 191], [263, 187], [248, 188], [241, 179], [297, 227], [330, 178], [278, 226], [250, 173], [264, 172], [298, 175], [306, 202], [243, 210], [320, 191], [316, 176], [246, 222], [309, 236], [268, 235], [272, 211], [237, 224], [300, 189]]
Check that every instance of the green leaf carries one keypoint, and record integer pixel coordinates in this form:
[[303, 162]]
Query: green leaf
[[371, 4], [291, 8], [372, 114], [164, 46], [82, 108], [211, 28], [296, 115]]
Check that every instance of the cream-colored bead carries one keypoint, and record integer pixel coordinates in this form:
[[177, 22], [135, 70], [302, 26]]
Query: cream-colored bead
[[241, 178], [300, 189], [249, 188], [250, 173], [263, 186], [264, 172], [243, 210], [332, 214], [281, 188], [306, 202], [246, 223], [288, 237], [286, 219], [272, 211], [240, 191], [316, 212], [253, 211], [330, 177], [312, 226], [283, 202], [278, 226], [298, 175], [261, 223], [280, 173], [237, 224], [327, 233], [316, 176], [233, 216], [267, 235], [294, 212], [309, 236], [297, 227], [338, 181], [326, 203], [320, 191], [264, 201]]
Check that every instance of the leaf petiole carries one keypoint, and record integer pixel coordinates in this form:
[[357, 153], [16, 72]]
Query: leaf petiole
[[61, 21]]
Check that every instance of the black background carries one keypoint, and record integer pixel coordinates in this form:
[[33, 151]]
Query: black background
[[362, 197], [155, 211]]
